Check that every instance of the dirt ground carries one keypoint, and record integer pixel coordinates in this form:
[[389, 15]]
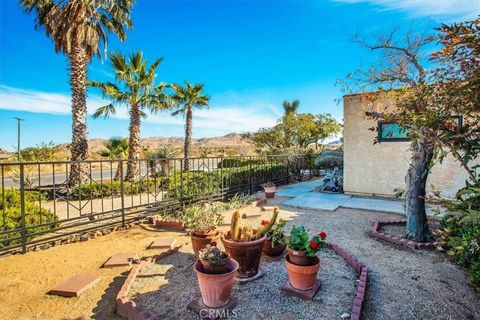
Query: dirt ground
[[403, 284]]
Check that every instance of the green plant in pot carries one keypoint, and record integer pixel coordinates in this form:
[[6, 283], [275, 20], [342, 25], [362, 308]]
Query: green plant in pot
[[216, 276], [302, 262], [275, 244], [202, 221], [245, 244]]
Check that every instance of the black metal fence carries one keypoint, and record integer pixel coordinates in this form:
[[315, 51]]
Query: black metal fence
[[41, 202]]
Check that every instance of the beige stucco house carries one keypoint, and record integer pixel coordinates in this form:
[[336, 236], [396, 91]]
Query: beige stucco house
[[377, 169]]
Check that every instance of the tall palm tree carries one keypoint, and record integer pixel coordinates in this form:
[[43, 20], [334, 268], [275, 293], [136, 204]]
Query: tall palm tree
[[116, 149], [137, 90], [185, 99], [290, 107], [78, 28]]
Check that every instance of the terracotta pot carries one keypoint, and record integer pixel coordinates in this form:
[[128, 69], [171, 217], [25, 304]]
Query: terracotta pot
[[302, 277], [200, 241], [219, 268], [216, 288], [300, 258], [277, 250], [169, 224], [269, 195], [247, 254]]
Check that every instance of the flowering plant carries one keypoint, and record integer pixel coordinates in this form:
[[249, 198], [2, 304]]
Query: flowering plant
[[300, 240]]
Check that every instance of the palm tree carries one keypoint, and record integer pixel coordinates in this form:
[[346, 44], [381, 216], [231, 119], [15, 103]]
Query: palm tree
[[77, 29], [136, 90], [290, 107], [116, 149], [185, 99], [162, 155]]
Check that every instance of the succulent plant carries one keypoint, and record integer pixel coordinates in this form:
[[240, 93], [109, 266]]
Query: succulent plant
[[245, 232]]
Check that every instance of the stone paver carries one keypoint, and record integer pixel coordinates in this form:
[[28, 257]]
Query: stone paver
[[317, 200], [163, 243], [76, 285], [119, 260]]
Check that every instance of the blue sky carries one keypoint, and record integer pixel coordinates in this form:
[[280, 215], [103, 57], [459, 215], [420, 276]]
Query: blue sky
[[251, 55]]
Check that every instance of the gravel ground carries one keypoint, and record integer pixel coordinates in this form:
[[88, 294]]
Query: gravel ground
[[167, 287], [403, 284]]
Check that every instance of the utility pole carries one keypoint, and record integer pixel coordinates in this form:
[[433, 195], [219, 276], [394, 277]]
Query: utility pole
[[19, 121]]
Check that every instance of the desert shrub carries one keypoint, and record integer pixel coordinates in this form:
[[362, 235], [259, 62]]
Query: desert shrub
[[329, 159], [113, 188], [460, 232], [238, 162], [195, 184], [11, 218]]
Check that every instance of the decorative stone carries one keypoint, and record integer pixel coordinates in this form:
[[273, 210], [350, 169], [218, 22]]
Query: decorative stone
[[163, 243], [76, 285], [302, 294], [119, 260], [205, 312]]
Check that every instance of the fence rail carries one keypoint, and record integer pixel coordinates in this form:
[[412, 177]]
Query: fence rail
[[43, 201]]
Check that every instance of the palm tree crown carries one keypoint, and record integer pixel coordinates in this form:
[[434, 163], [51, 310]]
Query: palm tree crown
[[137, 90], [185, 99], [290, 107]]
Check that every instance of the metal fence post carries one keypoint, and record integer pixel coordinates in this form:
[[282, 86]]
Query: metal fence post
[[250, 174], [181, 183], [288, 170], [122, 192], [221, 177], [22, 208]]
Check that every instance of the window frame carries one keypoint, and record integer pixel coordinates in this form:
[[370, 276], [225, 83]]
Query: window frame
[[380, 129]]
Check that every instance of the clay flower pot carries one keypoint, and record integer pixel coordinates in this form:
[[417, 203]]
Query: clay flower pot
[[218, 268], [270, 192], [300, 258], [277, 249], [200, 240], [302, 277], [216, 288], [247, 254]]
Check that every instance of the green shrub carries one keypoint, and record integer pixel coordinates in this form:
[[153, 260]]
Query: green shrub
[[238, 162], [11, 218], [460, 232], [195, 184], [330, 159]]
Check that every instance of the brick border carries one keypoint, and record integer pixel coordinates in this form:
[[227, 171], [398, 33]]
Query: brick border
[[374, 232], [362, 270], [130, 310], [126, 307]]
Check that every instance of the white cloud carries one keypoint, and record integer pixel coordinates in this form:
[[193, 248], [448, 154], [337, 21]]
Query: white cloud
[[240, 116], [446, 9]]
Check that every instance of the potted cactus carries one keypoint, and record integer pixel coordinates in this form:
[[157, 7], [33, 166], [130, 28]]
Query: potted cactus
[[216, 276], [275, 245], [301, 262], [213, 260], [269, 189], [202, 221], [245, 244]]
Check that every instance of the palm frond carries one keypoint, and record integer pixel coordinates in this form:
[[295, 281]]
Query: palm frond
[[105, 111]]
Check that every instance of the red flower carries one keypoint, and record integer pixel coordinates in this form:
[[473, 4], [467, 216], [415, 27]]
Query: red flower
[[265, 222], [323, 235], [313, 245]]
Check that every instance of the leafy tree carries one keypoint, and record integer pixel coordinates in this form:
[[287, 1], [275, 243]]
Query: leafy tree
[[41, 152], [116, 149], [266, 140], [425, 101], [137, 90], [77, 29], [186, 99]]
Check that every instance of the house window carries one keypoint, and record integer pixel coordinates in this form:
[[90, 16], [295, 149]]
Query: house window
[[389, 131]]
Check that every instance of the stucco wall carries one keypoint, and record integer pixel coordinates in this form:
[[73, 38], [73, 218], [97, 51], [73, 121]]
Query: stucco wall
[[378, 169]]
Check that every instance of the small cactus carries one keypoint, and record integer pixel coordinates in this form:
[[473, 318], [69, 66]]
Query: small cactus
[[245, 232]]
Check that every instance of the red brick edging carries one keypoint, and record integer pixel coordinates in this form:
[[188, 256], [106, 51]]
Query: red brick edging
[[374, 232], [128, 308], [362, 270]]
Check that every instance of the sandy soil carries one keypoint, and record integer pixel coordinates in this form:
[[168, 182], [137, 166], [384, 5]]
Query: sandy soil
[[25, 279], [403, 284]]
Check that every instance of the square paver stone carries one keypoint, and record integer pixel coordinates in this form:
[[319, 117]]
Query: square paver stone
[[76, 285], [120, 260], [302, 294], [163, 243]]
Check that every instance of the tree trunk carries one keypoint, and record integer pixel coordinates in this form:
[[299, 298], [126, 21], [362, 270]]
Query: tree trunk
[[134, 144], [78, 81], [118, 172], [416, 179], [188, 139]]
